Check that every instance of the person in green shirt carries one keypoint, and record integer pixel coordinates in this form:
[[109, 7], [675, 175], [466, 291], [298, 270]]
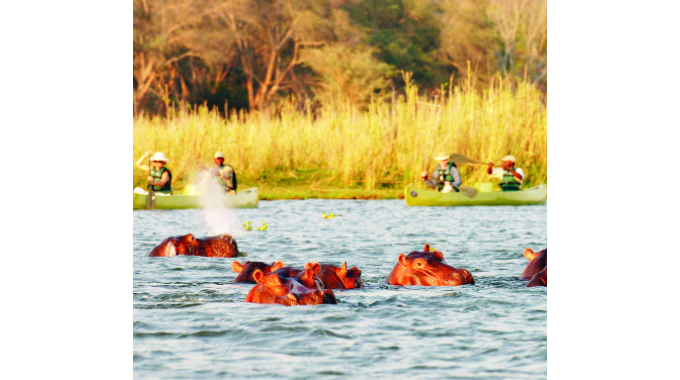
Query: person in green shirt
[[159, 177], [446, 177], [511, 176]]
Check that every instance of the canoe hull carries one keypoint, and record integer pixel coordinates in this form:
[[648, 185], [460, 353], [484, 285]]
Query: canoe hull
[[247, 198], [420, 197]]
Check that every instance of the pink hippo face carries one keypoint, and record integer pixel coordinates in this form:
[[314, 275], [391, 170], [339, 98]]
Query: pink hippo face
[[428, 269], [245, 271], [188, 245]]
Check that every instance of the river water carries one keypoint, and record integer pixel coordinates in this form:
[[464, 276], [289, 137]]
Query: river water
[[191, 322]]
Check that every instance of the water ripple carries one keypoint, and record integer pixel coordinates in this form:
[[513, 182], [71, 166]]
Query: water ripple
[[189, 321]]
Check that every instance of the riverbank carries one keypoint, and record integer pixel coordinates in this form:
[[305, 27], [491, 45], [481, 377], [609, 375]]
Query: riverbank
[[367, 153], [274, 192]]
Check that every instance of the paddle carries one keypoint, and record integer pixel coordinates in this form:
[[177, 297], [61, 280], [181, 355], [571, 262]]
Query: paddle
[[469, 192], [460, 159], [150, 203]]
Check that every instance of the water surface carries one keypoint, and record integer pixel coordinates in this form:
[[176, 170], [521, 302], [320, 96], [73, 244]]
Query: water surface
[[191, 322]]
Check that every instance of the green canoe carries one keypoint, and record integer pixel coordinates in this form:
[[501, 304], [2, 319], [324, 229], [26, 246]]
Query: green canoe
[[420, 197], [246, 198]]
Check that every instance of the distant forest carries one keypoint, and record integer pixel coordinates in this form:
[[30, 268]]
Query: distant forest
[[251, 54]]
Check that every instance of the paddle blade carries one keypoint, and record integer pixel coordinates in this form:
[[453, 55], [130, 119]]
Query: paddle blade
[[150, 201], [469, 192]]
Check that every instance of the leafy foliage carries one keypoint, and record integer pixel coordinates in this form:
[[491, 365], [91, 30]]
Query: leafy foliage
[[251, 54]]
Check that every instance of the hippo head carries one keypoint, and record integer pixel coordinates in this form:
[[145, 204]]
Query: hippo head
[[245, 271], [174, 246], [188, 245], [275, 289], [537, 261], [270, 289], [340, 277], [429, 269]]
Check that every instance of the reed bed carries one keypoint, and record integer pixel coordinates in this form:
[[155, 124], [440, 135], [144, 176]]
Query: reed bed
[[387, 145]]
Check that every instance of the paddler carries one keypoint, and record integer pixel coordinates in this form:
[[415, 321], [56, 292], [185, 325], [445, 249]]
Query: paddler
[[446, 177], [159, 177], [224, 174], [511, 177]]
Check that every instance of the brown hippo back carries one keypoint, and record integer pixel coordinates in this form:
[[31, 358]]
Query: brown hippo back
[[245, 271], [187, 245], [539, 279], [537, 261], [334, 277], [429, 269]]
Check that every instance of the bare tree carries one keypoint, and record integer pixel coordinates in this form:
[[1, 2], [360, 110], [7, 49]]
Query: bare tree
[[269, 35]]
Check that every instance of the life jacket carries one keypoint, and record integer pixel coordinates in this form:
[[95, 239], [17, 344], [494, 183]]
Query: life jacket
[[445, 175], [233, 179], [509, 182], [157, 176]]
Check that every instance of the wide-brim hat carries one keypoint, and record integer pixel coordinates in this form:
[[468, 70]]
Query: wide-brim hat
[[441, 156], [159, 156], [219, 155], [510, 158]]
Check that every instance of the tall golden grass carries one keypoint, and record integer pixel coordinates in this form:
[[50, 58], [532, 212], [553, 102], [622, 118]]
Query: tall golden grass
[[388, 144]]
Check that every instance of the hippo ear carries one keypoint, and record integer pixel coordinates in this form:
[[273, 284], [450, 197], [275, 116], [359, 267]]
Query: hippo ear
[[343, 269], [439, 255], [402, 259], [258, 276], [237, 267], [307, 276], [427, 248], [529, 254], [276, 266], [314, 267]]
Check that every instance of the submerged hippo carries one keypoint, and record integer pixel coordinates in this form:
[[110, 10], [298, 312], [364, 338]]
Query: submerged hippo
[[539, 279], [537, 261], [275, 288], [334, 277], [187, 245], [429, 269], [245, 271]]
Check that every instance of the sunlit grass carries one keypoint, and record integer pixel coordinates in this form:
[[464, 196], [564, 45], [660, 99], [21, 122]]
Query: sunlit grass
[[386, 146]]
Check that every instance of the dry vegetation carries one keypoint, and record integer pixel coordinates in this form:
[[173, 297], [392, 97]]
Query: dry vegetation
[[386, 145]]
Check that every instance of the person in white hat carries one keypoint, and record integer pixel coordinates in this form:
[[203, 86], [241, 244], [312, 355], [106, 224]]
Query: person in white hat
[[224, 174], [446, 177], [511, 177], [159, 177]]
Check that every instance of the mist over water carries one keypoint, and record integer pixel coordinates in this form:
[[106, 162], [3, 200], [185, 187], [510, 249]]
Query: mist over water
[[190, 321], [218, 218]]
